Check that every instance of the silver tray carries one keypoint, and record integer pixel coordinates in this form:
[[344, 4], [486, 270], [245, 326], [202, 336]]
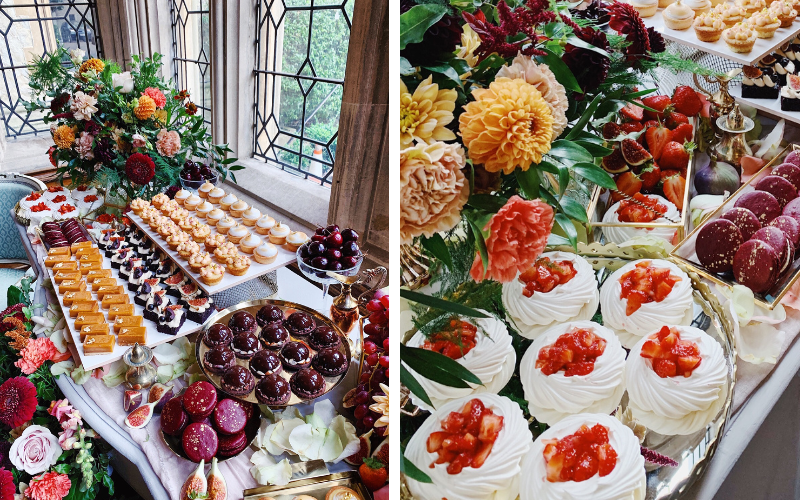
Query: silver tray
[[253, 307]]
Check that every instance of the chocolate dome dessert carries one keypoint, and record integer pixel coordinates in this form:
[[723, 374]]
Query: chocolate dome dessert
[[273, 336], [269, 314], [238, 381], [245, 345], [219, 359], [324, 337], [264, 363], [330, 362], [308, 383], [242, 322], [217, 334], [273, 390], [295, 355], [300, 323]]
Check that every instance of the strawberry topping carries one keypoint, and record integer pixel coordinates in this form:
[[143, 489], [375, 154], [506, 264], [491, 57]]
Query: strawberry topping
[[65, 209], [671, 356], [573, 352], [34, 196], [90, 198], [631, 211], [546, 275], [645, 283], [55, 189], [579, 456], [41, 207], [455, 341], [60, 199]]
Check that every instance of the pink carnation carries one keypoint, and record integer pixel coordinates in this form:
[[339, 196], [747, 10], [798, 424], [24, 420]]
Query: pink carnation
[[49, 486], [157, 96], [37, 352], [518, 235], [168, 142]]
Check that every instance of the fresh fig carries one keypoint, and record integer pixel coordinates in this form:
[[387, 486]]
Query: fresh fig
[[716, 178], [382, 452], [615, 163], [634, 153], [363, 452], [217, 488], [139, 417], [349, 400], [160, 394], [195, 485], [131, 400]]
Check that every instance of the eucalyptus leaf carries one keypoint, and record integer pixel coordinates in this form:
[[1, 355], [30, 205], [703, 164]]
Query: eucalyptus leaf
[[416, 21], [408, 380], [436, 246], [441, 304]]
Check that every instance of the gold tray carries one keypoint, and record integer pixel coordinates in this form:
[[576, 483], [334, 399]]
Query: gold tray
[[316, 487], [252, 307], [683, 252]]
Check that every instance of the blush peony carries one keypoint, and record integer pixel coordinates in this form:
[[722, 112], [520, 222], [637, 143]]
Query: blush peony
[[49, 486], [518, 235], [168, 142], [84, 146], [35, 450]]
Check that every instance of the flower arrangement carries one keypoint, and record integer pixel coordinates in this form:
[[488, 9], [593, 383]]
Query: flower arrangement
[[130, 131]]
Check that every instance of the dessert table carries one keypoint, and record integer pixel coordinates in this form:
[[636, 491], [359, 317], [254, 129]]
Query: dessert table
[[131, 460]]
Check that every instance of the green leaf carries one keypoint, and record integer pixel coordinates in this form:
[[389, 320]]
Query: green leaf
[[413, 472], [406, 68], [441, 304], [416, 21], [529, 181], [573, 209], [487, 202], [408, 380], [595, 174], [574, 40], [566, 225], [580, 125], [560, 69], [555, 240], [481, 243], [563, 149], [594, 149], [436, 246], [13, 295], [440, 366], [447, 71]]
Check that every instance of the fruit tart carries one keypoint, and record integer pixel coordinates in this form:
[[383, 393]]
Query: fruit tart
[[642, 209], [588, 456], [559, 287], [576, 367], [490, 468], [643, 295], [677, 380], [482, 345]]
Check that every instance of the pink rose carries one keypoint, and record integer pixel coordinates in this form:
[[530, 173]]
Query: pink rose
[[138, 141], [168, 142], [518, 235], [35, 450]]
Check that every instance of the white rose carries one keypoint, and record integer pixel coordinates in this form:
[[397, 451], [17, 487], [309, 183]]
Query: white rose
[[77, 56], [124, 80], [35, 450]]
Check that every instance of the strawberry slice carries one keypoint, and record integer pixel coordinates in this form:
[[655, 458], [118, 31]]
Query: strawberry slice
[[657, 138], [665, 368], [435, 441], [482, 454], [607, 458], [490, 427], [688, 363], [650, 349], [633, 111]]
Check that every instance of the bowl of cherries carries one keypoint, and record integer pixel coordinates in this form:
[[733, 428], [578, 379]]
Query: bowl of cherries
[[330, 250], [193, 175]]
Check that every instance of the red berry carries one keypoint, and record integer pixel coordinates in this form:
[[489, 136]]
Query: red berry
[[361, 411], [362, 397], [386, 345], [364, 377], [372, 359], [370, 347], [385, 301], [374, 305], [368, 421]]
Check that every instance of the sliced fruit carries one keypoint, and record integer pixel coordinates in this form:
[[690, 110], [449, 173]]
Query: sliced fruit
[[615, 162], [627, 183], [364, 450], [686, 100], [639, 285], [195, 485], [671, 355], [634, 153], [650, 176], [198, 302], [657, 102], [631, 127], [611, 130], [217, 488], [545, 275], [674, 188], [675, 156], [573, 352], [382, 452], [468, 440], [579, 456], [454, 340], [793, 81], [160, 394], [139, 417], [131, 400], [189, 289], [632, 111], [174, 279], [658, 137]]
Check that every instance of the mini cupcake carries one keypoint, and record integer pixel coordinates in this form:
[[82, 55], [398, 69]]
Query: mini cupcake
[[228, 200], [187, 249], [698, 6], [192, 202], [764, 23], [678, 16], [238, 265], [245, 345], [264, 224], [225, 252], [274, 336], [265, 253], [249, 243], [645, 8], [238, 208], [212, 274], [708, 27], [308, 384], [159, 200], [213, 241], [750, 7], [181, 196], [219, 359], [740, 38], [273, 390], [175, 239], [214, 216], [278, 233], [199, 261], [238, 381], [730, 13], [205, 189], [251, 216], [203, 210], [295, 240], [224, 225], [216, 195], [200, 233], [784, 11]]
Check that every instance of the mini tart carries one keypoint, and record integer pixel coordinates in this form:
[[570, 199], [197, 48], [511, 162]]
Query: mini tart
[[708, 27], [224, 225], [730, 13], [187, 249], [200, 233], [740, 38], [169, 206], [199, 261], [159, 200], [264, 224], [216, 195], [228, 200], [181, 196], [203, 210], [265, 253], [251, 216], [237, 233], [278, 234], [698, 6], [645, 8], [206, 188], [214, 216], [341, 493], [784, 11], [238, 208], [192, 202], [188, 224], [178, 215], [138, 205], [175, 239], [238, 265], [764, 23], [750, 7], [212, 274], [213, 241], [225, 252], [678, 16], [250, 243], [295, 240]]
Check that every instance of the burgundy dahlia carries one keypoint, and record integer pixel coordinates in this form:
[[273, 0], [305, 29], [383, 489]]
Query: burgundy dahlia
[[5, 457], [170, 192], [92, 127], [657, 43], [441, 38], [140, 168], [7, 488], [17, 401], [589, 67], [104, 151], [59, 102], [626, 21]]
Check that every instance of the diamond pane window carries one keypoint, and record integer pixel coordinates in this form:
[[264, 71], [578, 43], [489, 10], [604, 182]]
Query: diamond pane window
[[301, 52], [32, 28], [191, 42]]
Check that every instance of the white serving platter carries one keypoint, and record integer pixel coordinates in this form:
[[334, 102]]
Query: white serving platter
[[762, 47], [284, 257], [771, 106], [154, 337]]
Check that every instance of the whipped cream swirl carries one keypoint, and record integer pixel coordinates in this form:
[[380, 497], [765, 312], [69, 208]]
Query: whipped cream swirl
[[492, 360], [621, 234], [675, 309], [496, 479], [552, 398], [576, 299], [678, 405], [626, 482]]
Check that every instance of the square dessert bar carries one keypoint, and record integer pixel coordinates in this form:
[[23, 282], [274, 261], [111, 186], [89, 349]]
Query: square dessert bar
[[129, 335], [127, 321], [83, 307], [96, 329], [98, 344]]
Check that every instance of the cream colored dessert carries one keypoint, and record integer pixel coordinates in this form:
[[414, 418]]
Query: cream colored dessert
[[203, 209], [645, 8], [212, 274], [179, 214], [740, 38], [214, 240], [215, 195], [200, 233], [238, 265], [264, 224], [266, 253], [188, 223], [214, 217], [159, 200], [730, 13], [785, 12], [295, 240], [225, 252], [224, 225], [708, 27], [764, 23], [205, 189], [181, 196], [698, 6], [187, 249], [750, 7], [175, 239], [138, 205], [228, 200], [663, 4], [250, 243], [678, 16], [192, 202], [238, 208], [199, 261], [250, 216], [278, 233], [237, 233]]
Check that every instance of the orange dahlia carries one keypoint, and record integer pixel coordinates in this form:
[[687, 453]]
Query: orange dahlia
[[92, 64], [425, 113], [146, 107], [509, 125], [64, 136]]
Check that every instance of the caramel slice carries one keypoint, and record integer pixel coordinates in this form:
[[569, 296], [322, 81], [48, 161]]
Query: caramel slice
[[119, 310], [59, 251], [82, 296], [81, 244], [61, 276], [101, 282], [98, 273], [129, 335], [98, 344], [102, 291], [87, 251], [84, 319], [115, 298], [83, 307], [70, 265], [90, 258], [87, 267], [52, 260], [71, 286], [96, 329], [126, 321]]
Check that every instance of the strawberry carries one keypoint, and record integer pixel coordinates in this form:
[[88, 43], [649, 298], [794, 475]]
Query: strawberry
[[682, 133], [650, 177], [651, 123], [664, 368], [674, 188], [657, 102], [610, 130], [628, 183], [607, 458], [373, 473], [631, 127], [632, 111], [686, 100], [675, 156], [674, 119], [657, 138]]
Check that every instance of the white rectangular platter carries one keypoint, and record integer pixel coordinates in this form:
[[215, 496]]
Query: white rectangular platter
[[771, 106], [154, 337], [762, 47], [284, 257]]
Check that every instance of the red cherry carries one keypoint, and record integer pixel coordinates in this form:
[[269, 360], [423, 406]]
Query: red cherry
[[385, 301], [318, 238], [334, 240], [333, 254]]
